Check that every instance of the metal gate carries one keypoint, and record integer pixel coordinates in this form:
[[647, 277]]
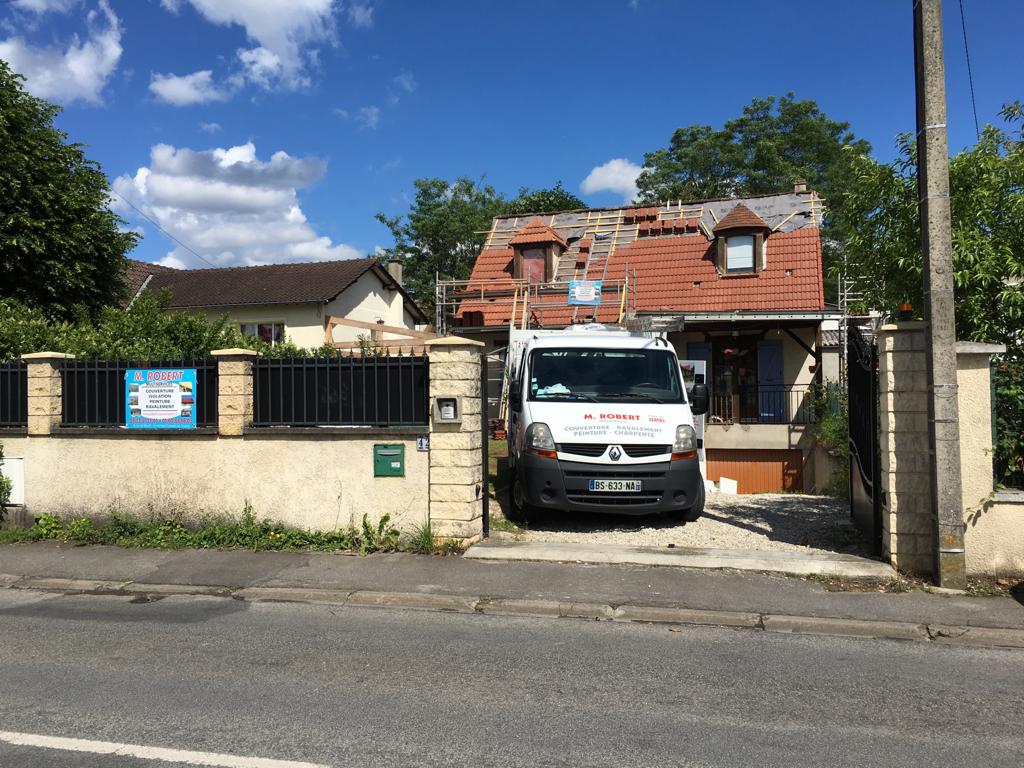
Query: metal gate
[[862, 383]]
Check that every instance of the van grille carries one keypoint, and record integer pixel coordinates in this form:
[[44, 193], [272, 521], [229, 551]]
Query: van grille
[[640, 451], [583, 449]]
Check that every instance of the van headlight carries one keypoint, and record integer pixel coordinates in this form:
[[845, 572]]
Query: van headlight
[[540, 441], [685, 445]]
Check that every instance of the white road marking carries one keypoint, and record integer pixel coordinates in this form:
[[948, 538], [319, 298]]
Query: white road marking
[[148, 753]]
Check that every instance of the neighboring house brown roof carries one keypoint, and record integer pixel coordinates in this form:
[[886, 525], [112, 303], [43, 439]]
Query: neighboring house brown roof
[[537, 232], [313, 282], [137, 276], [741, 217]]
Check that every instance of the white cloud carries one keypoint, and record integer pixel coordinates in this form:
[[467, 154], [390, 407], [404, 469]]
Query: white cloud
[[618, 175], [230, 206], [45, 6], [183, 90], [406, 82], [283, 29], [369, 117], [210, 127], [78, 71], [263, 67], [360, 15]]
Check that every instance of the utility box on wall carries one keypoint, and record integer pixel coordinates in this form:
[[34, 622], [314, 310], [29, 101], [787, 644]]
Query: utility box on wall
[[448, 410], [388, 460]]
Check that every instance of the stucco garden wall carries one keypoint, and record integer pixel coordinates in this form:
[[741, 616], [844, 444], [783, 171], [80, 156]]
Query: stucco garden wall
[[318, 478], [308, 481]]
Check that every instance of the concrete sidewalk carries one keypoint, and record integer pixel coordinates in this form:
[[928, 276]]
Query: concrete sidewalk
[[623, 592], [812, 563]]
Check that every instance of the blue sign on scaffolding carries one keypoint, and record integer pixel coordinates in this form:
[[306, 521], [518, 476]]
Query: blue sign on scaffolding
[[585, 293], [160, 398]]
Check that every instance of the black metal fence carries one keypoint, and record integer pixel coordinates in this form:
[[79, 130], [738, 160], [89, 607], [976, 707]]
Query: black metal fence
[[13, 394], [94, 390], [341, 391]]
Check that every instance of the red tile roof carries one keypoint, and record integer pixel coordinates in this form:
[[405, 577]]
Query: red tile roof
[[741, 217], [674, 274], [536, 231]]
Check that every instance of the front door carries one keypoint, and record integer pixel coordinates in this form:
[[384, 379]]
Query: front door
[[734, 378]]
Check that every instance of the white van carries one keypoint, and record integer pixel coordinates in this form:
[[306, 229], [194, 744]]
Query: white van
[[600, 421]]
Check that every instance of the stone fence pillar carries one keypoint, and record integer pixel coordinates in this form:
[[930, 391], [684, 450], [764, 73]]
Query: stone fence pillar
[[905, 468], [234, 390], [45, 388], [457, 474], [905, 473]]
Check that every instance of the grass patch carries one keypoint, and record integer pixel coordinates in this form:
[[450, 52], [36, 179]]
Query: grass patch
[[423, 541], [246, 533]]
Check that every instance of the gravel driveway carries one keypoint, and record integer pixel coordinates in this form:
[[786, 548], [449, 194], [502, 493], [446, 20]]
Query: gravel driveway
[[763, 521]]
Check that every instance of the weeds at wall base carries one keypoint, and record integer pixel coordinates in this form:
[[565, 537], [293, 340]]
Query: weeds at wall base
[[247, 533]]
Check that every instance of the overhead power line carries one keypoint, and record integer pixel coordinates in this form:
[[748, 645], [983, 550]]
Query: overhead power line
[[970, 75], [167, 234]]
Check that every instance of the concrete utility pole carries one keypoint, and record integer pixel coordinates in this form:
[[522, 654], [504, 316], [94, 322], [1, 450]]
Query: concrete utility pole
[[937, 244]]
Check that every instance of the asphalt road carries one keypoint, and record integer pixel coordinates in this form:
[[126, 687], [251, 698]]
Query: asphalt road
[[383, 687]]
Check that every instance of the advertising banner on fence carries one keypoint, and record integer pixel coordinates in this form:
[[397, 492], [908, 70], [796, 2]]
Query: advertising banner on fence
[[586, 293], [160, 398]]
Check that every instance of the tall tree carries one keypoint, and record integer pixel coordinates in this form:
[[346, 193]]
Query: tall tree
[[61, 247], [878, 231], [558, 198], [774, 141], [447, 224]]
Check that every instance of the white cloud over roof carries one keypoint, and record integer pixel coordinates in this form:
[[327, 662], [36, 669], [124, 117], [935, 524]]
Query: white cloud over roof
[[230, 206], [618, 175]]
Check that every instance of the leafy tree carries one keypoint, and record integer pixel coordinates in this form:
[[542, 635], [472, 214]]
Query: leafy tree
[[773, 142], [60, 244], [447, 226], [543, 201], [878, 229]]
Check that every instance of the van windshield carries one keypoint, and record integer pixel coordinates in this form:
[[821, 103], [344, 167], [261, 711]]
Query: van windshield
[[605, 375]]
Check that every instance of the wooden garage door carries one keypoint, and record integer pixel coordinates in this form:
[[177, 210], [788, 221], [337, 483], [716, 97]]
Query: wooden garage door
[[758, 471]]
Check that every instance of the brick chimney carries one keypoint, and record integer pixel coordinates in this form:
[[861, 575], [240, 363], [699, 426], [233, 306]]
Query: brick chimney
[[395, 270], [800, 187]]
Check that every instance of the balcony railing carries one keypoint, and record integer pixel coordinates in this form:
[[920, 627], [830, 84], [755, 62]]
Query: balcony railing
[[763, 405]]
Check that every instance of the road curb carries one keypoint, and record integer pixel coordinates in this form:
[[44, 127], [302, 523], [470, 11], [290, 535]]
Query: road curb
[[970, 636]]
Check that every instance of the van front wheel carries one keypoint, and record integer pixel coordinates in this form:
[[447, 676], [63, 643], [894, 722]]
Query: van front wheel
[[693, 514], [517, 507]]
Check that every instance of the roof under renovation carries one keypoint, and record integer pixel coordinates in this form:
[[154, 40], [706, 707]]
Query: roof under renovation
[[664, 255]]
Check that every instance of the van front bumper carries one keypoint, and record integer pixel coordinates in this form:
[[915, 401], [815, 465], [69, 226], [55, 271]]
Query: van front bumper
[[667, 486]]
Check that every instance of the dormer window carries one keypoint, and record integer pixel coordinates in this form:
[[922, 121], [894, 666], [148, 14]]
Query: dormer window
[[536, 249], [740, 239], [534, 265], [739, 253]]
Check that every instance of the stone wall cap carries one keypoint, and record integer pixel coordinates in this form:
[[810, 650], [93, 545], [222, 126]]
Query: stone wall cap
[[453, 341], [1009, 496], [234, 352], [979, 348], [47, 356], [907, 325]]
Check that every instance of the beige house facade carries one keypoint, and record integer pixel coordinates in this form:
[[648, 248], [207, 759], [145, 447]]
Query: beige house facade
[[291, 302]]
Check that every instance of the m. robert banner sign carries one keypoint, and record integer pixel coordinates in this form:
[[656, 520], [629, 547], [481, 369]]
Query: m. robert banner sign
[[160, 398]]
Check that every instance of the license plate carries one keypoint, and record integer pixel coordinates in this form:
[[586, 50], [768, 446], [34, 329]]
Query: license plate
[[616, 486]]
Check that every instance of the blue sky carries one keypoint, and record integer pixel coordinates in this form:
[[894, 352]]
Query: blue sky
[[273, 130]]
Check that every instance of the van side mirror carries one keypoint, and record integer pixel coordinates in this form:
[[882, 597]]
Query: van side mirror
[[700, 399], [515, 394]]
